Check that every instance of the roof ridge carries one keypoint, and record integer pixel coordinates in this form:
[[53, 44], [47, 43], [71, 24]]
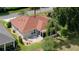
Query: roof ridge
[[30, 18], [25, 23]]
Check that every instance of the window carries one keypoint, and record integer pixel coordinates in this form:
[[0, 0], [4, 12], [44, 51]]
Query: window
[[34, 31], [13, 31]]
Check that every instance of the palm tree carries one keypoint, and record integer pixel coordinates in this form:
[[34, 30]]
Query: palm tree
[[35, 8]]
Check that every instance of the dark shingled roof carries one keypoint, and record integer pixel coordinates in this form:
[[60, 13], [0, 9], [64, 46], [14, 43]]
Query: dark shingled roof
[[5, 39], [5, 36]]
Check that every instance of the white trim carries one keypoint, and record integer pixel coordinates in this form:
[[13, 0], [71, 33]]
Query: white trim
[[4, 47], [17, 31]]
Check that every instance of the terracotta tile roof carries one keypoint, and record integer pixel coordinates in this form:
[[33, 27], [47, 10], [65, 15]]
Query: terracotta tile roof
[[27, 23]]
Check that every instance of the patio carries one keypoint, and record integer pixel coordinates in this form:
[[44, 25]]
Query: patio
[[34, 40]]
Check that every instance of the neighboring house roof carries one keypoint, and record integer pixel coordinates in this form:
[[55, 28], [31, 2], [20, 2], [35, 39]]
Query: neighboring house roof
[[5, 36], [27, 23], [5, 39]]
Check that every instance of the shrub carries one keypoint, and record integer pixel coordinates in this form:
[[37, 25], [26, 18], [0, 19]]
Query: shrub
[[20, 40], [49, 14], [22, 12], [13, 31], [49, 44], [9, 25], [17, 46], [64, 32]]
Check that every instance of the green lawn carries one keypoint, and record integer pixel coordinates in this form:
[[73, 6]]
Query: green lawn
[[33, 47], [14, 11], [20, 10]]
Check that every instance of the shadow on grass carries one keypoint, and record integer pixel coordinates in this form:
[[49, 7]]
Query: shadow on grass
[[65, 43], [71, 40], [74, 41]]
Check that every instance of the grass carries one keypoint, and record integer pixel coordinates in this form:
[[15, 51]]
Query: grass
[[14, 11], [69, 44], [20, 10], [33, 47]]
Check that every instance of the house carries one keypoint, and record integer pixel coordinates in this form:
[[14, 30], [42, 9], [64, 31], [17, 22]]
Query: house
[[29, 26], [6, 38]]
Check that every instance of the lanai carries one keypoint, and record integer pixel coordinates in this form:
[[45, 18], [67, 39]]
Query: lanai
[[5, 37]]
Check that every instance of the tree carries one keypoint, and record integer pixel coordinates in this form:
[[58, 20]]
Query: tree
[[64, 32], [22, 12], [52, 27], [49, 44], [35, 8], [65, 21], [17, 45], [2, 9], [68, 16], [49, 14]]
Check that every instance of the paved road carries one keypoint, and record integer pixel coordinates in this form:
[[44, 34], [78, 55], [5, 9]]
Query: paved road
[[9, 16], [14, 15], [40, 10]]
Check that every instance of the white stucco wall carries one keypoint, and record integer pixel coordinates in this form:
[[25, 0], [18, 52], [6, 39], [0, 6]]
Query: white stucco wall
[[17, 31]]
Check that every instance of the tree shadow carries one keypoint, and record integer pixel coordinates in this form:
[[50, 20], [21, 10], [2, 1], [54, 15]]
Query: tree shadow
[[71, 40], [4, 13], [64, 43], [74, 41]]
